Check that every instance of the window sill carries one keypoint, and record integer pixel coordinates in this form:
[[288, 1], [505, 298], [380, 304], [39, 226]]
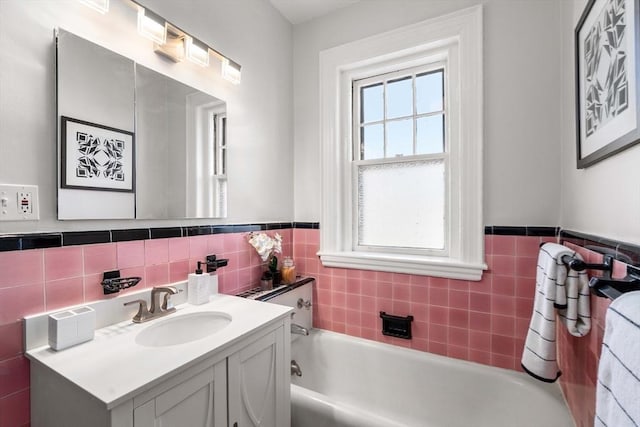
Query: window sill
[[407, 264]]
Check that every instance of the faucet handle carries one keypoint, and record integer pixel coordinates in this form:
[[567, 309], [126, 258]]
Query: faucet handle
[[302, 303], [155, 295], [167, 305], [142, 313]]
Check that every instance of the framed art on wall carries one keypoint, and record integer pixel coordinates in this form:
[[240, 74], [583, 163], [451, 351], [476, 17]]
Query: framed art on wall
[[606, 51], [96, 157]]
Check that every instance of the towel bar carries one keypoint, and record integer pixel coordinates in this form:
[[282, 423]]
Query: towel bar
[[613, 288], [579, 265]]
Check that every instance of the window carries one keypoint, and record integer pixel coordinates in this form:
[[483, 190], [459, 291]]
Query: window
[[401, 140], [219, 176], [206, 157]]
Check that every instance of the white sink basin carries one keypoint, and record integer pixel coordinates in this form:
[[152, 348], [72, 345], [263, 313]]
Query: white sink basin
[[182, 329]]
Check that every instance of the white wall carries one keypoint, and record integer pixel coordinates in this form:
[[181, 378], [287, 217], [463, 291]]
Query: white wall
[[603, 199], [522, 110], [528, 62], [251, 32]]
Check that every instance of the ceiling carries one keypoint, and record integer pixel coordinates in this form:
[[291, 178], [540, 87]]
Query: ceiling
[[299, 11]]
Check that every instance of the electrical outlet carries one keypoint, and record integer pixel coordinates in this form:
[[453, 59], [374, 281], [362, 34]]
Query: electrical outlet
[[25, 205], [19, 202]]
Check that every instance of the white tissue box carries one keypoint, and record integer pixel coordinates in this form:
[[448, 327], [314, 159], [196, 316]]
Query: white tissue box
[[71, 327]]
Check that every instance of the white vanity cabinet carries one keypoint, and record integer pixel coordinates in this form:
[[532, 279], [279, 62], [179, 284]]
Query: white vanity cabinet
[[244, 382], [259, 384], [251, 383], [200, 400]]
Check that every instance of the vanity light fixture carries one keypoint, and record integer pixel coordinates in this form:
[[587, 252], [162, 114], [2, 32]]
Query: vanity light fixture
[[101, 6], [231, 71], [197, 52], [175, 46], [152, 26]]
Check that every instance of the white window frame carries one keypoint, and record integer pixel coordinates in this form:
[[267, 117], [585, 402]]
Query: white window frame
[[456, 40]]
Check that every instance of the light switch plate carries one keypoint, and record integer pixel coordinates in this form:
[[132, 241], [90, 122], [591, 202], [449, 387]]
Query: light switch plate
[[19, 202]]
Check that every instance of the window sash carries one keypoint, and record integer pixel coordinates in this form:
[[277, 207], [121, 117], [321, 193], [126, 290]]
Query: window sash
[[436, 252], [358, 152], [384, 79]]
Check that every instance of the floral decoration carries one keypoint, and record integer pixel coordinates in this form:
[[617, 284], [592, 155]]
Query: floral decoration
[[265, 245]]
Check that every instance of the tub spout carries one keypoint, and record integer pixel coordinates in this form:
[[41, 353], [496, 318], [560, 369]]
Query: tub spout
[[295, 368], [300, 330]]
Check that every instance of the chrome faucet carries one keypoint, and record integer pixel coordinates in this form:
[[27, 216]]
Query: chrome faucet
[[295, 369], [300, 330], [156, 310]]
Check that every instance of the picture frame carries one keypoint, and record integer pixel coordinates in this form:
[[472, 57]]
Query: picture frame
[[607, 78], [96, 157]]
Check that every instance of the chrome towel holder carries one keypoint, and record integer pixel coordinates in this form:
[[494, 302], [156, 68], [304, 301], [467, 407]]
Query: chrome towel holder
[[605, 286]]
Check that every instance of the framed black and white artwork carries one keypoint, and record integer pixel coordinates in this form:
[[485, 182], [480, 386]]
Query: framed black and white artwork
[[606, 47], [96, 157]]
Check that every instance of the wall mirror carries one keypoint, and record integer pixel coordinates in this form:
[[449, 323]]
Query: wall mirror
[[132, 142]]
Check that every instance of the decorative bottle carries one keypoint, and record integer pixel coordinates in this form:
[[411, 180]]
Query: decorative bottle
[[288, 271]]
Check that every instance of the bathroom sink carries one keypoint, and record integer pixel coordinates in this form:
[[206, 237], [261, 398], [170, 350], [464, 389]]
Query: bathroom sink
[[182, 329]]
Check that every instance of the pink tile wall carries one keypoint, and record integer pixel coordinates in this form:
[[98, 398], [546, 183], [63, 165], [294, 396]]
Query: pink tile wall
[[579, 357], [47, 279], [483, 321]]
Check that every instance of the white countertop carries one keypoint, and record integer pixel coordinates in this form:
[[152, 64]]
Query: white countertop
[[113, 368]]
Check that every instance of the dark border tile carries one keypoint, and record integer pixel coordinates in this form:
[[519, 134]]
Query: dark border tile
[[41, 241], [278, 225], [509, 231], [165, 232], [238, 228], [71, 238], [129, 234], [10, 243], [564, 234], [589, 241], [198, 230], [628, 253], [309, 225], [542, 231]]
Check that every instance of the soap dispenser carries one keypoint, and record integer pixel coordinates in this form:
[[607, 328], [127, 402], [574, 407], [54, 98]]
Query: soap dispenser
[[213, 264], [213, 282], [198, 287]]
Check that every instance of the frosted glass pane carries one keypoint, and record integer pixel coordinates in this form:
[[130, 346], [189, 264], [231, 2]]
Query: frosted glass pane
[[400, 138], [402, 205], [221, 190], [399, 98], [373, 142], [372, 103], [430, 134], [429, 92]]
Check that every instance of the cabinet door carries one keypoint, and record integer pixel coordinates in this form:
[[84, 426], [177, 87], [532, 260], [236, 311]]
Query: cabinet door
[[259, 385], [198, 401]]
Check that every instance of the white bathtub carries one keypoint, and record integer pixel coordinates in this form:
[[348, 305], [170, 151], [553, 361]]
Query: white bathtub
[[349, 381]]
